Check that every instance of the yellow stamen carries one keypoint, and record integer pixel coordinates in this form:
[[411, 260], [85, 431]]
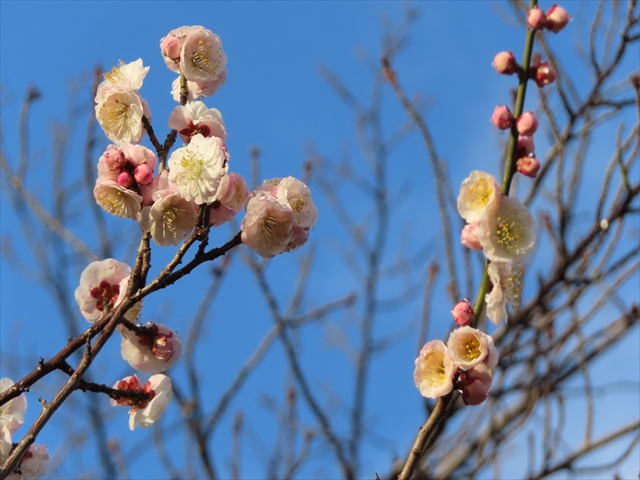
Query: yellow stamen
[[481, 192]]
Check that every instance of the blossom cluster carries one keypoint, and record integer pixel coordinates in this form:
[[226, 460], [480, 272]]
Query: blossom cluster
[[11, 418]]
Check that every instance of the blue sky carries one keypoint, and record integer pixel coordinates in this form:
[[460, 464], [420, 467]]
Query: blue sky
[[274, 99]]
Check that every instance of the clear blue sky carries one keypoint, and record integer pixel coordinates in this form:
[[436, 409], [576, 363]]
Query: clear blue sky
[[275, 99]]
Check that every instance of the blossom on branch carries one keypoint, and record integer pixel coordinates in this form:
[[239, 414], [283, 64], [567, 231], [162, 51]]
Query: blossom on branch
[[99, 287], [202, 58], [124, 78], [120, 115], [434, 372], [233, 196], [194, 118], [32, 463], [507, 281], [469, 346], [197, 90], [479, 195], [145, 412], [12, 412], [152, 352]]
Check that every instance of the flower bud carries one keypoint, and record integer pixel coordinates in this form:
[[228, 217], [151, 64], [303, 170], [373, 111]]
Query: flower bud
[[474, 393], [125, 179], [114, 159], [557, 18], [143, 174], [469, 238], [505, 63], [462, 313], [528, 166], [545, 74], [171, 47], [502, 117], [525, 146], [527, 124], [536, 19]]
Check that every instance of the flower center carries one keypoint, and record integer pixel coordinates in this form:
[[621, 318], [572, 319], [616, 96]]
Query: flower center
[[509, 234], [105, 295], [113, 201], [434, 371], [192, 166], [274, 231], [201, 58], [472, 348], [116, 74], [170, 218], [297, 204], [115, 116], [481, 193]]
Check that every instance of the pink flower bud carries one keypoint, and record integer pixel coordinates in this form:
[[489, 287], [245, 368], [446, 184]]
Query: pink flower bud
[[114, 159], [143, 174], [171, 47], [544, 74], [469, 238], [505, 63], [125, 179], [462, 313], [525, 146], [528, 166], [502, 117], [557, 18], [536, 19], [527, 124], [474, 393]]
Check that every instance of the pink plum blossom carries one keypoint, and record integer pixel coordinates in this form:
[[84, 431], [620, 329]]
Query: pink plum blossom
[[475, 384], [99, 287], [233, 196], [469, 238], [544, 74], [194, 118], [202, 58], [479, 195], [468, 347], [197, 90], [296, 195], [528, 166], [171, 47], [508, 233], [267, 226], [527, 124], [12, 412], [434, 372], [507, 284], [557, 18], [32, 463], [536, 19], [123, 78], [151, 353], [505, 63], [197, 169], [146, 412], [525, 146], [463, 312], [502, 117]]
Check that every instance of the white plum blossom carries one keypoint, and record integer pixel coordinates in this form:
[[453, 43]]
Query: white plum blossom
[[197, 169], [469, 346], [12, 412], [507, 281], [508, 234], [32, 463], [194, 118], [267, 226], [145, 413], [202, 58], [296, 195], [151, 353], [197, 90], [123, 77], [99, 287], [434, 371], [479, 195], [120, 115], [116, 199]]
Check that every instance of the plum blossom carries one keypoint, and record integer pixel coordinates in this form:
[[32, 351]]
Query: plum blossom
[[475, 384], [5, 443], [171, 47], [469, 238], [505, 63], [479, 194], [507, 281], [525, 146], [502, 117], [267, 226], [99, 287], [197, 90], [152, 352], [557, 18], [197, 169], [145, 412], [469, 346], [527, 124], [463, 312], [124, 78], [296, 195], [202, 58], [12, 412], [233, 195], [536, 19], [528, 166], [434, 372], [117, 199], [543, 74], [120, 115], [509, 233], [194, 118], [32, 463]]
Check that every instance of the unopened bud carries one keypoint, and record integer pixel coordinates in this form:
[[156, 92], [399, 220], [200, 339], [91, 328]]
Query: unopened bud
[[125, 179], [143, 174], [171, 47], [557, 18], [474, 393], [469, 238], [525, 146], [462, 313], [545, 74], [536, 19], [527, 124], [502, 117], [528, 166], [505, 63], [114, 159]]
